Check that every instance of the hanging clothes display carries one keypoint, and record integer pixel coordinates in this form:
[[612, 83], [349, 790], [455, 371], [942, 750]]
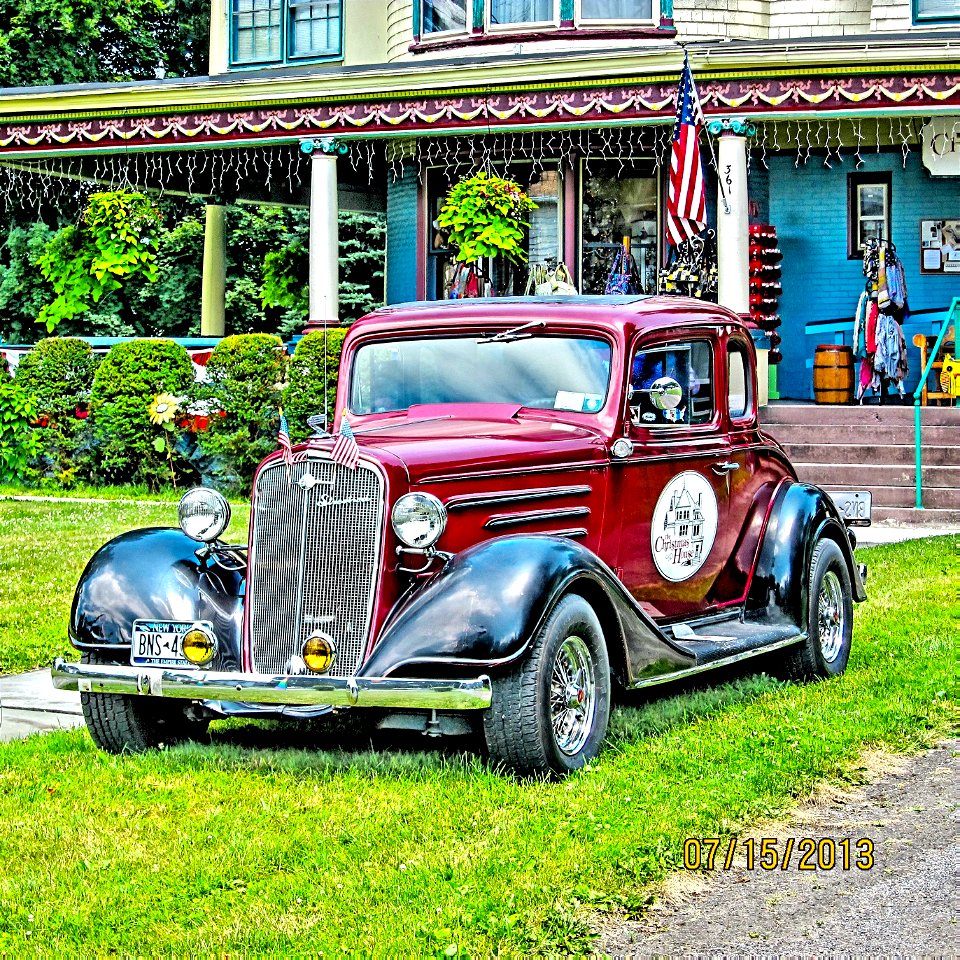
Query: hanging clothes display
[[878, 341]]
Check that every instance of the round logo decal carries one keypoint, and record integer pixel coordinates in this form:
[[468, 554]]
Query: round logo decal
[[684, 526]]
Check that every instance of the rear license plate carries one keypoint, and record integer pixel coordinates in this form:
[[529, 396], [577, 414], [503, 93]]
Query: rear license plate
[[854, 506], [159, 643]]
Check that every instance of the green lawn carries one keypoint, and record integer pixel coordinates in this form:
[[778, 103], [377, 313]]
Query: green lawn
[[258, 843]]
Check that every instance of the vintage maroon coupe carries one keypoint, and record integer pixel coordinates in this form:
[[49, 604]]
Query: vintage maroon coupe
[[551, 498]]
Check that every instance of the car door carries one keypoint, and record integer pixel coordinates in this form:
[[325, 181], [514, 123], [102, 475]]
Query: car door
[[672, 493]]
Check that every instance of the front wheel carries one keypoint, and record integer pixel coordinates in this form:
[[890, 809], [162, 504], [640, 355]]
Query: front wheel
[[119, 723], [549, 714], [829, 618]]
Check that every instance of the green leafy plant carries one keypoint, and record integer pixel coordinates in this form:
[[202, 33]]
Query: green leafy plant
[[18, 440], [115, 239], [313, 378], [245, 375], [126, 382], [484, 216]]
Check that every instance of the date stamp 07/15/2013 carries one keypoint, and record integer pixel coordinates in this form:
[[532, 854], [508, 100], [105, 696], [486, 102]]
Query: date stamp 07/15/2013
[[768, 853]]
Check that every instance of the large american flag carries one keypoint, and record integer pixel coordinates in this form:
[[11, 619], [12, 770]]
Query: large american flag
[[686, 202], [345, 451]]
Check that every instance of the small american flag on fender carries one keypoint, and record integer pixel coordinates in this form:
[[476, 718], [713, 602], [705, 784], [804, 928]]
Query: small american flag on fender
[[345, 451]]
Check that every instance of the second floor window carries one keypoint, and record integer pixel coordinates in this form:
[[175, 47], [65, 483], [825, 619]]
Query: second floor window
[[281, 31], [456, 16]]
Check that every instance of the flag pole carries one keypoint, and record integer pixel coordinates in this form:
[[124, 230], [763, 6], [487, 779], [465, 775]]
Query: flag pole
[[713, 152]]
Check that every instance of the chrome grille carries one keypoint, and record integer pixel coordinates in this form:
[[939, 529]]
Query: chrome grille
[[314, 559]]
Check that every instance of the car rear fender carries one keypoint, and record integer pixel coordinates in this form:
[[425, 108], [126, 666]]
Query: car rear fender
[[801, 515], [155, 574], [483, 609]]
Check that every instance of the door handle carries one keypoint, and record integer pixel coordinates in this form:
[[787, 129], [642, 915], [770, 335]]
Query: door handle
[[728, 466]]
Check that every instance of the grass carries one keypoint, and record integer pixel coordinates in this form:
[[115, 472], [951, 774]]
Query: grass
[[44, 547], [259, 843], [82, 491]]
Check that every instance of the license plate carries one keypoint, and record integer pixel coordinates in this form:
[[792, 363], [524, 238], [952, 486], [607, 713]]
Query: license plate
[[159, 643], [854, 506]]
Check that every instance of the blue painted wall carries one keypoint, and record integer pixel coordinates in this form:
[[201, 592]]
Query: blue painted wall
[[808, 206], [402, 237]]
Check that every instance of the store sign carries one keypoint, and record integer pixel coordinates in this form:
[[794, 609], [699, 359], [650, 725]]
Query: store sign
[[941, 146]]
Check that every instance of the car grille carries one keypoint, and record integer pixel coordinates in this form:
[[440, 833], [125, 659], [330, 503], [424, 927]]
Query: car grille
[[314, 558]]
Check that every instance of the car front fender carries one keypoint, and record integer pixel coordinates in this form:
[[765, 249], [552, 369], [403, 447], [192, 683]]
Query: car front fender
[[483, 609], [155, 574], [801, 515]]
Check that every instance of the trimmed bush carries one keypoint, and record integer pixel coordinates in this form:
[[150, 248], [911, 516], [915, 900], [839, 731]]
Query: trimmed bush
[[58, 374], [126, 383], [18, 440], [245, 376], [304, 395]]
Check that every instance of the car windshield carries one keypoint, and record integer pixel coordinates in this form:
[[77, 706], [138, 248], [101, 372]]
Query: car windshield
[[549, 373]]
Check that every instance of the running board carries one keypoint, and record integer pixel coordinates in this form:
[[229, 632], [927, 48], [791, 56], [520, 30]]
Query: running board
[[711, 653]]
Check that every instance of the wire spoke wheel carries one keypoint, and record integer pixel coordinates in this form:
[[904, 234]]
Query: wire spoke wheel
[[831, 617], [573, 696]]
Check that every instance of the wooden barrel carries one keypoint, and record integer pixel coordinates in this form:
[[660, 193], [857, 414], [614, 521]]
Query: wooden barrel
[[833, 373]]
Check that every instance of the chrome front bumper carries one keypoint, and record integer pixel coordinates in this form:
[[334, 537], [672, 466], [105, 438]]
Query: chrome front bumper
[[474, 694]]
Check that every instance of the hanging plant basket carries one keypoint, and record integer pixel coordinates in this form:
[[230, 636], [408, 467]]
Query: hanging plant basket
[[485, 216]]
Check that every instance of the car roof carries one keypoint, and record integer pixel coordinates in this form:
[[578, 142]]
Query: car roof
[[618, 315]]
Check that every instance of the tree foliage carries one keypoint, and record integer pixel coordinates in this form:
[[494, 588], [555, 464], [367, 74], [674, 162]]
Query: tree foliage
[[99, 41], [115, 239]]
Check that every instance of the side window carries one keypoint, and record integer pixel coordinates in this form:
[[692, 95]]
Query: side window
[[738, 383], [672, 385]]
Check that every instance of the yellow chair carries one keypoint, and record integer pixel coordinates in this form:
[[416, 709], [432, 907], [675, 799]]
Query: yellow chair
[[925, 342]]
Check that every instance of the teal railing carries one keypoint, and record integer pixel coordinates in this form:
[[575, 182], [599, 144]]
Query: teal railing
[[951, 318]]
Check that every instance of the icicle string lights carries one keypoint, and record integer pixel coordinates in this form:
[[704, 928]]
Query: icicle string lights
[[282, 172]]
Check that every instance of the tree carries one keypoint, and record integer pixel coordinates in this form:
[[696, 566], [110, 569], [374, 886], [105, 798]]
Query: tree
[[96, 41]]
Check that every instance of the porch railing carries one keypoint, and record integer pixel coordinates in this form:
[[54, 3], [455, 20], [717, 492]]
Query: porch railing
[[950, 319]]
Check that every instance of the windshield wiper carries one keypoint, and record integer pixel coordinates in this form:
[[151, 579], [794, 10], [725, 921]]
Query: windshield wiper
[[514, 333]]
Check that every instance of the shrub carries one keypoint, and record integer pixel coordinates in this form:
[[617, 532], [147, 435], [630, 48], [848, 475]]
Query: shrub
[[304, 395], [58, 374], [18, 440], [245, 375], [127, 381]]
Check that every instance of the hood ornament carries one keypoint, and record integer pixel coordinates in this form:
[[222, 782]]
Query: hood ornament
[[308, 481]]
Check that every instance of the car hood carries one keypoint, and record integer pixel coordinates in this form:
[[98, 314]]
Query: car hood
[[438, 443]]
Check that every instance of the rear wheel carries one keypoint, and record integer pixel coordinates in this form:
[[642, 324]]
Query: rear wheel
[[549, 714], [829, 618], [119, 723]]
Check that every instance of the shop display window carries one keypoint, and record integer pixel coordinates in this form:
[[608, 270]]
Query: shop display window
[[543, 241], [619, 200]]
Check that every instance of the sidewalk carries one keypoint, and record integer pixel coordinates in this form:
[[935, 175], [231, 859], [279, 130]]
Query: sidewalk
[[29, 703]]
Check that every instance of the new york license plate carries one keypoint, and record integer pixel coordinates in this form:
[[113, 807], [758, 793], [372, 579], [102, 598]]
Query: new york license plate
[[159, 643], [854, 506]]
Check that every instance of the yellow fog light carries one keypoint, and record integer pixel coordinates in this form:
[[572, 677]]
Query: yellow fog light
[[199, 646], [319, 653]]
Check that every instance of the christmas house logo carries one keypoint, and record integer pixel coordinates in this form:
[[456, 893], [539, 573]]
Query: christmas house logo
[[684, 526]]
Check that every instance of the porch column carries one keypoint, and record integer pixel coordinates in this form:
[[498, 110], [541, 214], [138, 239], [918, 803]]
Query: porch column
[[324, 238], [733, 222], [213, 291]]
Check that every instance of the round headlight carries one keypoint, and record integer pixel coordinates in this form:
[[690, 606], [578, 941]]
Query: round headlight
[[199, 645], [319, 652], [418, 519], [204, 514]]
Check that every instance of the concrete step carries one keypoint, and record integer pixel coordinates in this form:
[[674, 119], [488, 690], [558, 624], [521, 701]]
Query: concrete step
[[911, 517], [856, 414], [869, 475], [866, 436], [890, 453], [934, 497]]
